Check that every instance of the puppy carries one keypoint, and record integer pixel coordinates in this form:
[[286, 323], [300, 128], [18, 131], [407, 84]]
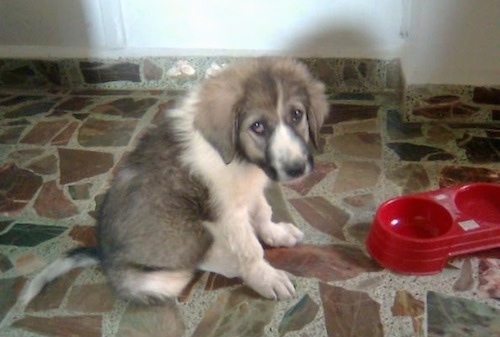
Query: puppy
[[191, 195]]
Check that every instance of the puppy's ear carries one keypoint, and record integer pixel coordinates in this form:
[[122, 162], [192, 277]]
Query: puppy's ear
[[218, 114], [318, 109]]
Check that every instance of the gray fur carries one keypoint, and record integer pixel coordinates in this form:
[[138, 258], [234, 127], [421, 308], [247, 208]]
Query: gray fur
[[151, 219]]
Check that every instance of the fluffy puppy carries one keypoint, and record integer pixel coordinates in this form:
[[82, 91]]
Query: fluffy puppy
[[191, 194]]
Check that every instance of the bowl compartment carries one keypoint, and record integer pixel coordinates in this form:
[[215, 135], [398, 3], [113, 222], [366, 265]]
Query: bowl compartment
[[415, 218]]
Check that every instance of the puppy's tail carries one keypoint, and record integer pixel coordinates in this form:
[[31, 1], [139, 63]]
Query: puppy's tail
[[75, 258]]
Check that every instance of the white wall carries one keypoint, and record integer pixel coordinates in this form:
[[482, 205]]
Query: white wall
[[450, 41], [355, 28], [335, 28], [453, 42], [65, 23]]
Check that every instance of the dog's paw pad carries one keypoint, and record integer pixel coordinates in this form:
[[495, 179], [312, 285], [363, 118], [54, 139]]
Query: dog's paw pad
[[282, 234]]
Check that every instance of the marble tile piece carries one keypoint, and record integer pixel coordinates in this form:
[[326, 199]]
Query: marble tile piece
[[98, 72], [240, 312], [52, 296], [44, 166], [186, 292], [217, 281], [359, 230], [151, 71], [43, 132], [411, 178], [15, 122], [304, 185], [30, 110], [126, 107], [155, 321], [466, 280], [30, 235], [75, 165], [322, 215], [458, 317], [324, 262], [480, 149], [49, 71], [91, 298], [489, 277], [350, 112], [438, 133], [276, 200], [22, 157], [17, 187], [4, 224], [62, 326], [299, 315], [350, 313], [19, 76], [415, 152], [456, 175], [80, 191], [28, 262], [101, 92], [368, 126], [407, 305], [361, 202], [11, 135], [495, 114], [84, 235], [358, 144], [52, 203], [486, 95], [353, 96], [446, 106], [98, 132], [81, 116], [355, 175], [397, 129], [5, 264], [98, 199], [442, 99], [10, 288], [65, 135], [74, 103], [19, 99]]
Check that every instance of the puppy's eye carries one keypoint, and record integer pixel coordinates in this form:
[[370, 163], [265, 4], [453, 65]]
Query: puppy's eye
[[258, 128], [297, 115]]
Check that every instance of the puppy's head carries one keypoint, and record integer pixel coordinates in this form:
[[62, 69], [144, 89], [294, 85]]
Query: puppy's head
[[266, 111]]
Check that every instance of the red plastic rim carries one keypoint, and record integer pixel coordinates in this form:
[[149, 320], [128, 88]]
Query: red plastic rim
[[480, 202]]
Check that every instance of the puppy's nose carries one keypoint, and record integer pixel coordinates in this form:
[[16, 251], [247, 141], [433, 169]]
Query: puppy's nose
[[295, 170]]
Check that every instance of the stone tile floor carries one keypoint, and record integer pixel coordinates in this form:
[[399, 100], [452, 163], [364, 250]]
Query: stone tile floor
[[58, 150]]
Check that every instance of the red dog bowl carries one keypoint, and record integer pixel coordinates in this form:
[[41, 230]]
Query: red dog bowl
[[416, 234]]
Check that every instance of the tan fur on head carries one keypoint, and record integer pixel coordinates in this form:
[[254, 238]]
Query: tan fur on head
[[222, 97], [217, 116]]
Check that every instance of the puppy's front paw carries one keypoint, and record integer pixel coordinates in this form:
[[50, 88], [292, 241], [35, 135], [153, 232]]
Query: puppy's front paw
[[281, 234], [269, 282]]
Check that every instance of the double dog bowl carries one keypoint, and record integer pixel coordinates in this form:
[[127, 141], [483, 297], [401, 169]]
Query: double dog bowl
[[417, 234]]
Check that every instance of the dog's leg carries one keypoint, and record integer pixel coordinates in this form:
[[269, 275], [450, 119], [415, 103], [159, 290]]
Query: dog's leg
[[237, 252], [273, 234]]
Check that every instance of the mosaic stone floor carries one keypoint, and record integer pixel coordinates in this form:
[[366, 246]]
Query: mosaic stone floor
[[58, 149]]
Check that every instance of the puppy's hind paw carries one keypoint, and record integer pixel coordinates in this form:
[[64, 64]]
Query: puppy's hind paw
[[281, 234], [269, 282]]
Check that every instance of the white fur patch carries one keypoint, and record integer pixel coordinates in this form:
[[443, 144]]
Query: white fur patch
[[161, 284], [286, 149], [57, 268]]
